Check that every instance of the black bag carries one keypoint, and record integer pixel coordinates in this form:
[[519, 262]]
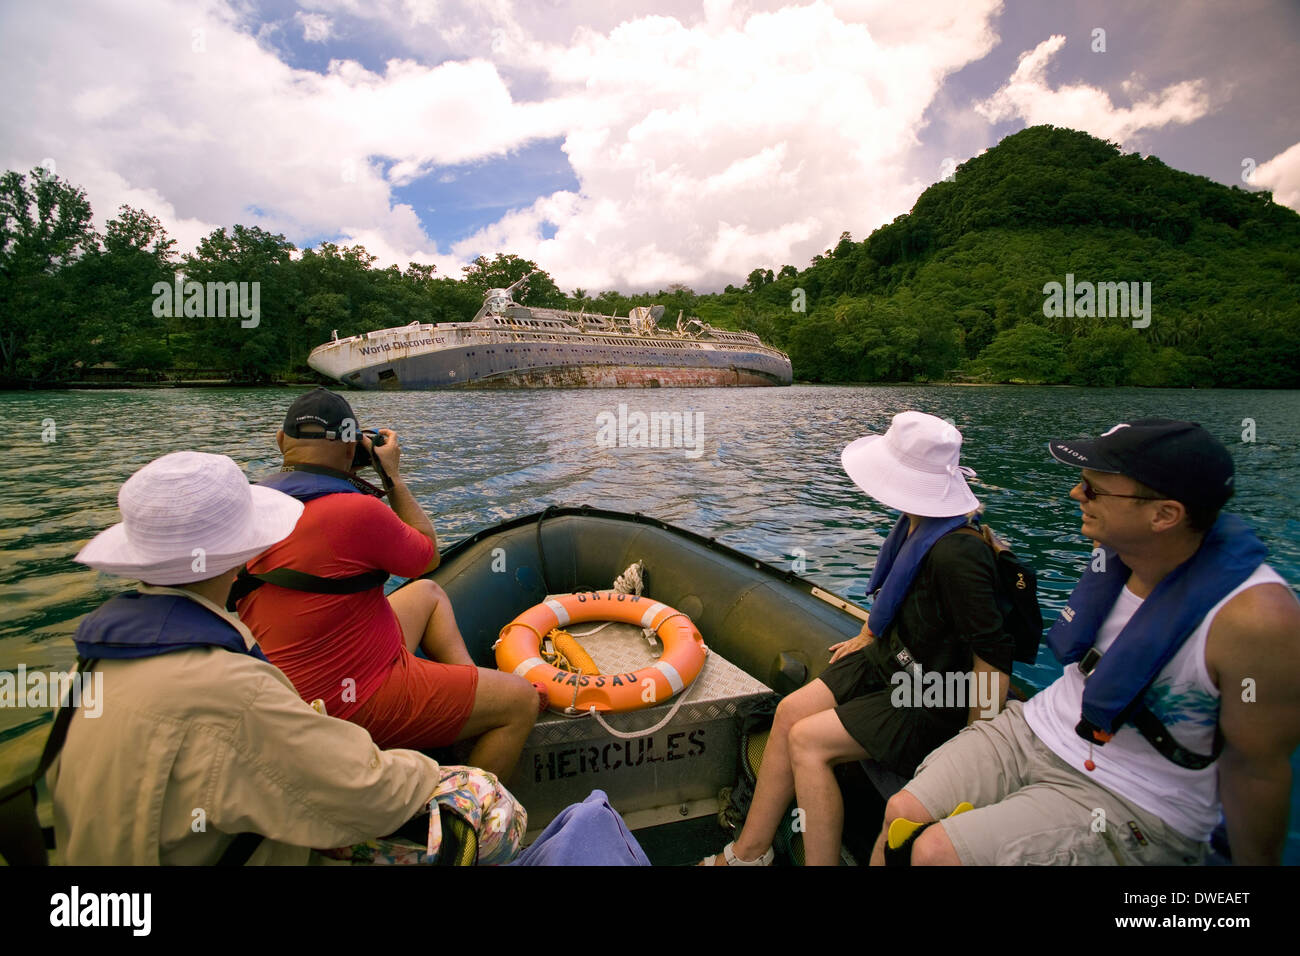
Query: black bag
[[1018, 602], [1017, 596], [753, 723]]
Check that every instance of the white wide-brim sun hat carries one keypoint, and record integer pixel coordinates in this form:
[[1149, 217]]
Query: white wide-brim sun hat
[[914, 467], [187, 517]]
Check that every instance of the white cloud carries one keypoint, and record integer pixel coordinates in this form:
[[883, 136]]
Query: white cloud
[[204, 127], [704, 146], [1282, 175], [742, 140], [316, 27], [1027, 95]]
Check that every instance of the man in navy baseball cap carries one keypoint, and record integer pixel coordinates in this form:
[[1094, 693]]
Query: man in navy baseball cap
[[316, 602], [1177, 460], [321, 413]]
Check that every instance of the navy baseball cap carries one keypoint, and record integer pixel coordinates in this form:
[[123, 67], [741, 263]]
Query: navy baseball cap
[[320, 407], [1180, 460]]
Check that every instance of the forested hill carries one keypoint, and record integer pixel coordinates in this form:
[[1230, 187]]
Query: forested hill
[[1050, 258], [955, 288]]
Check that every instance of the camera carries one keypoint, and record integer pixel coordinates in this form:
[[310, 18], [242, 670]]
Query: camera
[[361, 458]]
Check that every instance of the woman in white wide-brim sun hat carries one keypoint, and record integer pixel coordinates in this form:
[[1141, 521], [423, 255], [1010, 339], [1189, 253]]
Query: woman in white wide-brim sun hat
[[935, 609], [189, 517]]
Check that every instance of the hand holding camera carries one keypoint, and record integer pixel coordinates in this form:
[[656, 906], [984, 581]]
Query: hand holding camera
[[379, 449]]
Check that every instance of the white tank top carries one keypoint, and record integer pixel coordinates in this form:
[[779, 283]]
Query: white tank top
[[1183, 697]]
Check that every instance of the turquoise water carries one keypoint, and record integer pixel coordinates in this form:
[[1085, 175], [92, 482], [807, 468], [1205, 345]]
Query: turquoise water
[[763, 477]]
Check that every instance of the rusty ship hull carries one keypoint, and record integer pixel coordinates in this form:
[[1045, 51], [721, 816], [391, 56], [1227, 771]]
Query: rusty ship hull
[[511, 346]]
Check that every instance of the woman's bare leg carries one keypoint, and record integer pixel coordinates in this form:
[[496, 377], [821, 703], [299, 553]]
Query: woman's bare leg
[[817, 744], [775, 786]]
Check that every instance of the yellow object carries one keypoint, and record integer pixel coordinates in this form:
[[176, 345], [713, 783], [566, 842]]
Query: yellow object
[[579, 660], [556, 660], [901, 829]]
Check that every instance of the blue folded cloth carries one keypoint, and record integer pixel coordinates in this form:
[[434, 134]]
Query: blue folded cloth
[[590, 833]]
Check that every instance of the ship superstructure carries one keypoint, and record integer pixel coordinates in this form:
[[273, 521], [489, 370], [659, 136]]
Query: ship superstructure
[[508, 345]]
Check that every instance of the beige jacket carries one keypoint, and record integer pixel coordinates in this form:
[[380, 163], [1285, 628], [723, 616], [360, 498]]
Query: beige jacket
[[195, 746]]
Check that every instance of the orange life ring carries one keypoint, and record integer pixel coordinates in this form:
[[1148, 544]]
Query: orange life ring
[[519, 650]]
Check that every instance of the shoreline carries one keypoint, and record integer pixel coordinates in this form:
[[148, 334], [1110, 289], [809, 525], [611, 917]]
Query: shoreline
[[336, 386]]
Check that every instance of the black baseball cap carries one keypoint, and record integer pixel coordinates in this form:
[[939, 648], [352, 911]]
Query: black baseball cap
[[1181, 460], [320, 407]]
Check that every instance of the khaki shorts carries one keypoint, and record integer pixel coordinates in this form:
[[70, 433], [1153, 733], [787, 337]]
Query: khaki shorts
[[1034, 809]]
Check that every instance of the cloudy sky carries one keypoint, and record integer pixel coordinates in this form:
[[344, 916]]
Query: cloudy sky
[[623, 145]]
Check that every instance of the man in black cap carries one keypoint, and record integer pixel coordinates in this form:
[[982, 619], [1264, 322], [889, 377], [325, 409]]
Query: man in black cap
[[316, 602], [1180, 699]]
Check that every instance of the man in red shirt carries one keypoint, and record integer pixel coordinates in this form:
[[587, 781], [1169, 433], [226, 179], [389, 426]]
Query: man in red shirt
[[329, 626]]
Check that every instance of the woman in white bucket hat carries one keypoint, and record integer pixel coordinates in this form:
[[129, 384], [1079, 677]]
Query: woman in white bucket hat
[[187, 517], [191, 716], [935, 611]]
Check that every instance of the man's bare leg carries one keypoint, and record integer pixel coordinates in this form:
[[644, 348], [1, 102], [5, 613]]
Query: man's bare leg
[[817, 744], [933, 848], [775, 786], [900, 805], [505, 709], [428, 622]]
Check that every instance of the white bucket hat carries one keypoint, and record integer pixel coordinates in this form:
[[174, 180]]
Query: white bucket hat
[[189, 516], [913, 467]]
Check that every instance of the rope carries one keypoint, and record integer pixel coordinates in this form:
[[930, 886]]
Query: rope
[[541, 555], [501, 635], [594, 630], [631, 581], [655, 629], [672, 712]]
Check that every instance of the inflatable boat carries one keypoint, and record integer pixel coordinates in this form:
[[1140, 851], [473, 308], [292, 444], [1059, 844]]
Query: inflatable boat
[[766, 631]]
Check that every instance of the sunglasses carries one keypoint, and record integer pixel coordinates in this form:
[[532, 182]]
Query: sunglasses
[[1092, 494]]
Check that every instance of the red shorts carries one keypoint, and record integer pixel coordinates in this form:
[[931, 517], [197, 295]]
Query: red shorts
[[420, 704]]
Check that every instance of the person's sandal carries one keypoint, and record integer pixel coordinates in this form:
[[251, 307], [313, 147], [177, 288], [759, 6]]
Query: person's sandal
[[729, 854]]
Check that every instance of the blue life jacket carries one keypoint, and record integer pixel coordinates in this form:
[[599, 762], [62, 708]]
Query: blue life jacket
[[308, 485], [134, 625], [899, 560], [1113, 694]]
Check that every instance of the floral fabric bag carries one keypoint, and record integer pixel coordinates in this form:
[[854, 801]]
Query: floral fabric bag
[[474, 795]]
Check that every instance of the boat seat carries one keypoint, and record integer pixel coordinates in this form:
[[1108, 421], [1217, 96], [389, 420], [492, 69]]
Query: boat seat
[[887, 782]]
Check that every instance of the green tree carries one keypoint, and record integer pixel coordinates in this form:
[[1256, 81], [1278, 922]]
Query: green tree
[[503, 270], [1026, 353], [44, 226], [251, 352], [1105, 356]]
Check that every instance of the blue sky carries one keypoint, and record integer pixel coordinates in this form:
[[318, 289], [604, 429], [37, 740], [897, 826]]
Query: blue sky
[[455, 201], [626, 145]]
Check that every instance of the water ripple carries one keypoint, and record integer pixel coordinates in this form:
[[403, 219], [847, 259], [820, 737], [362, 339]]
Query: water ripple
[[763, 478]]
